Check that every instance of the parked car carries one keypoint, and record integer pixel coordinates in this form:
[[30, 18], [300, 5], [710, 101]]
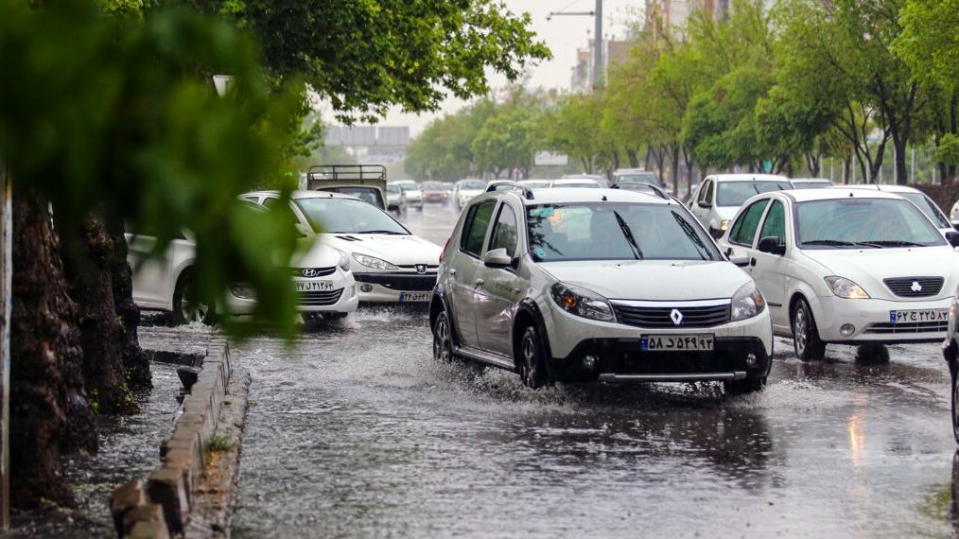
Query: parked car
[[577, 285], [846, 266], [321, 275], [435, 192], [395, 198], [603, 181], [917, 197], [389, 263], [465, 190], [414, 196], [720, 195], [810, 183]]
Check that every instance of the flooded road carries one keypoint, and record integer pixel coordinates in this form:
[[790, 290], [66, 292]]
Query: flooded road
[[356, 432]]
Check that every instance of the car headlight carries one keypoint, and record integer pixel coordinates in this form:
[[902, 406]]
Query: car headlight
[[747, 302], [343, 262], [845, 288], [373, 262], [242, 291], [582, 302]]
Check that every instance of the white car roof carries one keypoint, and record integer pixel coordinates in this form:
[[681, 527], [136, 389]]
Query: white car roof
[[566, 195], [301, 194], [747, 177], [884, 188], [832, 193]]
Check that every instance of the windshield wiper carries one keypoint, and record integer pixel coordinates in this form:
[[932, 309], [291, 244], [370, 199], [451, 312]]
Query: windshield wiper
[[637, 252], [841, 243], [392, 232], [896, 243]]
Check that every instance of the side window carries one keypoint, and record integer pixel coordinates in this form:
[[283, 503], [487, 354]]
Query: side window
[[504, 233], [744, 229], [474, 230], [775, 224], [274, 204], [704, 190]]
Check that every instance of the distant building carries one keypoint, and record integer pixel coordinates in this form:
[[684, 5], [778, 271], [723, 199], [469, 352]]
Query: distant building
[[370, 143], [614, 52]]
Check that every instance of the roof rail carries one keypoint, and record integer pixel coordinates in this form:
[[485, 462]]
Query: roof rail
[[658, 191], [527, 192]]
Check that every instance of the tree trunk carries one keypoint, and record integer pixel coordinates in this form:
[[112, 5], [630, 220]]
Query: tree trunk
[[49, 411], [87, 255], [135, 362]]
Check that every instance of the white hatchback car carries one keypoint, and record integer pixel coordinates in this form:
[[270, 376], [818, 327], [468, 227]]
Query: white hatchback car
[[720, 195], [389, 263], [579, 285], [846, 266]]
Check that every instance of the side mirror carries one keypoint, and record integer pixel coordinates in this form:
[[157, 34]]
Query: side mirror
[[705, 205], [740, 260], [953, 238], [772, 245], [498, 258]]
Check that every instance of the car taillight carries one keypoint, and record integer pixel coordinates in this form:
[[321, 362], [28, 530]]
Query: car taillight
[[443, 252]]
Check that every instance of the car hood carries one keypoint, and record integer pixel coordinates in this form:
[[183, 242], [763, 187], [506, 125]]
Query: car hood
[[318, 255], [471, 192], [726, 213], [653, 280], [395, 249], [868, 267]]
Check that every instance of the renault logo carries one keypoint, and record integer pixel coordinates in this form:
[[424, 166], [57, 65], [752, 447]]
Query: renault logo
[[916, 287], [421, 268], [676, 317]]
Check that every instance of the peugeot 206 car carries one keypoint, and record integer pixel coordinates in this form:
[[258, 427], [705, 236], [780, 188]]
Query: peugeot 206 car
[[321, 274], [579, 285], [389, 263], [846, 266]]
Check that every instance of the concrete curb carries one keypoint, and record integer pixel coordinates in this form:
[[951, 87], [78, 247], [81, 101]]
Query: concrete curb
[[174, 484]]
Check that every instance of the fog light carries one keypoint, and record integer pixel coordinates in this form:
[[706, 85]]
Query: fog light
[[846, 330], [751, 360], [589, 362], [366, 288]]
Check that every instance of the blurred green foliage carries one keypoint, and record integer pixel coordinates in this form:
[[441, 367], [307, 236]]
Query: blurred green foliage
[[124, 119]]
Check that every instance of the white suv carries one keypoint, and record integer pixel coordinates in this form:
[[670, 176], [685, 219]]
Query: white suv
[[577, 285]]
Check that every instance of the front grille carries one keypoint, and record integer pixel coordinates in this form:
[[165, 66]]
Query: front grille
[[318, 299], [906, 287], [660, 317], [310, 273], [420, 282], [886, 328]]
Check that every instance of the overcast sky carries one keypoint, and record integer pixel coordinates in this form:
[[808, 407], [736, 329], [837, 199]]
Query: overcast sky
[[562, 34]]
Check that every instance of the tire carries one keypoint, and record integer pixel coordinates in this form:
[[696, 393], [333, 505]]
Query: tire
[[532, 364], [806, 340], [955, 404], [442, 339], [186, 312], [735, 388]]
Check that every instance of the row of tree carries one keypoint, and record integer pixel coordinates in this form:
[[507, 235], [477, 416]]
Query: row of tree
[[109, 118], [774, 90]]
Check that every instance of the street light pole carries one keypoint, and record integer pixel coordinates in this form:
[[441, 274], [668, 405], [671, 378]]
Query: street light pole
[[597, 40]]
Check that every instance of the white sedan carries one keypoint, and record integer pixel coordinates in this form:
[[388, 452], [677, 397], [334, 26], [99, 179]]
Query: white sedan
[[390, 264], [846, 266]]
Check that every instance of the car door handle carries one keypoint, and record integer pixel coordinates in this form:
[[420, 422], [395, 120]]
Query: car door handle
[[479, 282], [752, 261]]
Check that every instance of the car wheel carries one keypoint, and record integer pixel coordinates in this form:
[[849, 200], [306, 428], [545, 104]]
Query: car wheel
[[532, 364], [805, 335], [955, 404], [744, 387], [442, 339], [187, 310]]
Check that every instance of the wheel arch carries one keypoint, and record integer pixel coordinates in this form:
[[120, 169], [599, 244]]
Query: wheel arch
[[529, 314]]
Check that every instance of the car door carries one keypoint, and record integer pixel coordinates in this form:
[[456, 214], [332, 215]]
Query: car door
[[501, 289], [466, 275], [769, 269], [154, 279]]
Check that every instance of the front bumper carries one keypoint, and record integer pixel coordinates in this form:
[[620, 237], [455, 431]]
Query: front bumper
[[622, 360], [395, 287], [871, 320], [343, 298]]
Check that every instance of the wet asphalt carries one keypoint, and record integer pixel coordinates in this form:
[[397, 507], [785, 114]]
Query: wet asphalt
[[356, 432]]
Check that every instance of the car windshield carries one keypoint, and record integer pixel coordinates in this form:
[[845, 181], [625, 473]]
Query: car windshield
[[929, 208], [863, 222], [640, 177], [347, 216], [616, 231], [734, 193], [393, 189], [409, 185], [811, 184], [474, 185], [433, 186], [366, 194]]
